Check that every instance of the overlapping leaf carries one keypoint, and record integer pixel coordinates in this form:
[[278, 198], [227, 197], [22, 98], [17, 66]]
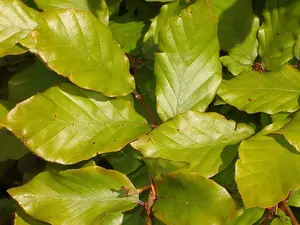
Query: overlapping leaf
[[291, 131], [250, 216], [77, 46], [188, 70], [66, 124], [32, 80], [279, 32], [255, 92], [237, 31], [16, 22], [97, 7], [188, 198], [266, 171], [197, 138], [88, 196], [151, 37]]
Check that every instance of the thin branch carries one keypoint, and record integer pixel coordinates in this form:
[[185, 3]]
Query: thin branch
[[290, 213], [267, 216], [139, 97]]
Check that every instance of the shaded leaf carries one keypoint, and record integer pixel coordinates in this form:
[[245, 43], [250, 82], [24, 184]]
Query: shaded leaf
[[188, 198], [22, 218], [150, 39], [279, 31], [7, 208], [66, 124], [294, 198], [297, 48], [250, 216], [291, 131], [188, 72], [77, 46], [91, 195], [97, 7], [30, 81], [113, 6], [127, 32], [126, 161], [266, 171], [17, 21], [196, 138], [270, 92], [11, 147], [157, 166], [237, 32]]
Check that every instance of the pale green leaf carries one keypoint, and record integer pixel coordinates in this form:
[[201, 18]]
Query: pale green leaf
[[188, 70], [276, 221], [77, 46], [291, 131], [86, 196], [279, 32], [196, 138], [126, 161], [66, 124], [127, 32], [269, 92], [250, 216], [15, 50], [32, 80], [97, 7], [188, 198], [5, 107], [266, 171], [17, 21]]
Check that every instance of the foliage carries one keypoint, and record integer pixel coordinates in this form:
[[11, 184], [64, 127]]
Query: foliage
[[149, 112]]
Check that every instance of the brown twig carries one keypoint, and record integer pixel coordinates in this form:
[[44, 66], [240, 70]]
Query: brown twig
[[258, 67], [150, 202], [139, 97], [290, 213], [267, 216], [297, 64]]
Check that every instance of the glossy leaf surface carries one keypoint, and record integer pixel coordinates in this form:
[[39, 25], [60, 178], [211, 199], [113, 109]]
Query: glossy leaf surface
[[196, 138], [88, 196], [188, 72], [77, 46], [269, 92], [188, 198], [17, 21], [66, 124]]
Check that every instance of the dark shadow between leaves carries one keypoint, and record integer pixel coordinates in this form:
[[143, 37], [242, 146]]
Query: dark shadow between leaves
[[280, 139]]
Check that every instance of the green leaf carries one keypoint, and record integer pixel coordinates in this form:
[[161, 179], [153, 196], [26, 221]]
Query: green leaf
[[5, 107], [17, 21], [294, 198], [30, 81], [291, 131], [15, 50], [285, 220], [250, 216], [157, 166], [66, 124], [126, 161], [127, 32], [188, 198], [279, 32], [266, 171], [196, 138], [237, 33], [91, 195], [21, 218], [270, 92], [188, 71], [97, 7], [151, 37], [297, 48], [77, 46], [113, 6], [11, 147]]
